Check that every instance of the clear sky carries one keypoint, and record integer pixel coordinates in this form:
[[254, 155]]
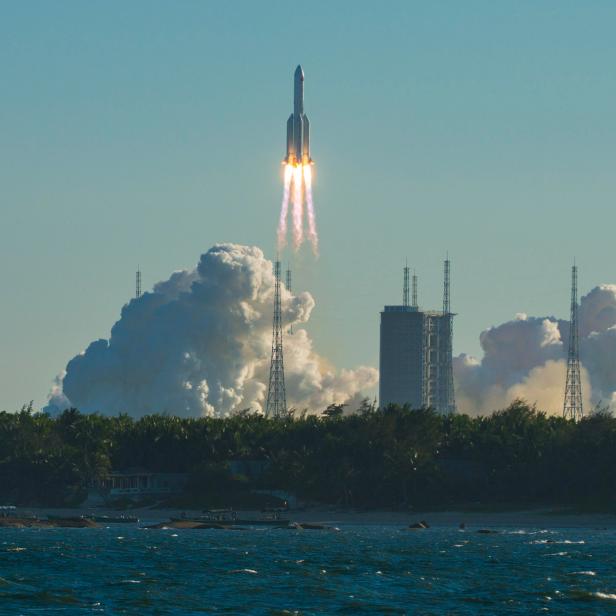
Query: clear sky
[[144, 132]]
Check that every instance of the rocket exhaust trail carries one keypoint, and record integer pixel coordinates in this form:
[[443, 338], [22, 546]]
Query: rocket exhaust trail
[[298, 208], [282, 223], [312, 225]]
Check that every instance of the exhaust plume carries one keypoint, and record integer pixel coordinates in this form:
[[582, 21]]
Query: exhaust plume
[[312, 225], [527, 358], [199, 344], [284, 210]]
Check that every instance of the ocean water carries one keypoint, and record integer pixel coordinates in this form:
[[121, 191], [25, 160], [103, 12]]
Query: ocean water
[[359, 570]]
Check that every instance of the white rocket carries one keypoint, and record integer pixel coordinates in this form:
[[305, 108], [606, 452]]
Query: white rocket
[[298, 127]]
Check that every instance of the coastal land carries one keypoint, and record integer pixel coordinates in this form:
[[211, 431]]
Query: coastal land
[[472, 520]]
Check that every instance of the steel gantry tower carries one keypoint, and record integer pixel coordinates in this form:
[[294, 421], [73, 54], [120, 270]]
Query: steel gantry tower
[[138, 283], [572, 408], [448, 404], [437, 386], [276, 395], [405, 287]]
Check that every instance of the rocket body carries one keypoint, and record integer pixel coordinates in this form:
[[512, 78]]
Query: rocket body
[[298, 127]]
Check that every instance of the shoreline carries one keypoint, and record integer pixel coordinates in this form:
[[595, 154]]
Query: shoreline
[[530, 518]]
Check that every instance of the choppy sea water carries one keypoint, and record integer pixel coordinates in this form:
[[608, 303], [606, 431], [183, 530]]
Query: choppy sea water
[[359, 570]]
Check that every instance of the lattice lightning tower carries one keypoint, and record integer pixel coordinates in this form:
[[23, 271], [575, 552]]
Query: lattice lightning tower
[[405, 288], [276, 394], [448, 403], [414, 293], [446, 284], [572, 408], [138, 284]]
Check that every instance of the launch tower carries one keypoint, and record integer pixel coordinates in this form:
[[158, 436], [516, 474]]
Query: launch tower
[[447, 398], [572, 408], [415, 353], [405, 288], [138, 283], [276, 395]]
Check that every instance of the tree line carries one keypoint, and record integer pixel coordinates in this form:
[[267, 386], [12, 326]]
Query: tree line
[[395, 457]]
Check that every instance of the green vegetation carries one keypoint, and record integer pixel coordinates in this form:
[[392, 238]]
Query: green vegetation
[[394, 457]]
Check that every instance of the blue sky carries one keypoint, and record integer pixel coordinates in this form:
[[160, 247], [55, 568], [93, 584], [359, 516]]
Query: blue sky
[[144, 132]]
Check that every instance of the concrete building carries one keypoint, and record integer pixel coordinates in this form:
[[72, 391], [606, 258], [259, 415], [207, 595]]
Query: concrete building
[[401, 356], [415, 359]]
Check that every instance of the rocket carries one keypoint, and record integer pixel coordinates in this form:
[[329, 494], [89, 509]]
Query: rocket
[[298, 174], [298, 127]]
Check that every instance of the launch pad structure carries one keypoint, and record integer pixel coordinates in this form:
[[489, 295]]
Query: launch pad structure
[[138, 283], [416, 364]]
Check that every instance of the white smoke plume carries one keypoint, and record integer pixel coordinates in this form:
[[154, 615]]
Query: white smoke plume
[[526, 358], [297, 190], [199, 344]]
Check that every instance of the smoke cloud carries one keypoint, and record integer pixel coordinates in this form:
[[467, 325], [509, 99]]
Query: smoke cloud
[[526, 358], [199, 344]]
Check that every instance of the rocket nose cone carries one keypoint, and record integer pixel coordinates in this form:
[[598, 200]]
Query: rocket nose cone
[[299, 73]]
